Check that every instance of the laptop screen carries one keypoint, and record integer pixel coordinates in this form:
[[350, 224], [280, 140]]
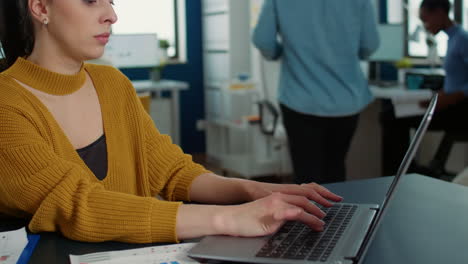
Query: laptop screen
[[401, 171]]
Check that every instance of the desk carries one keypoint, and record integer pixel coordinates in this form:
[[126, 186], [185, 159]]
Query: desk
[[405, 102], [161, 86], [426, 223]]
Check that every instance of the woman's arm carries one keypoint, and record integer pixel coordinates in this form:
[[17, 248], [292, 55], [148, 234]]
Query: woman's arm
[[59, 195], [210, 188], [269, 207], [214, 189], [258, 218]]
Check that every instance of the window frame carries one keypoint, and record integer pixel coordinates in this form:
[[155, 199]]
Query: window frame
[[179, 45]]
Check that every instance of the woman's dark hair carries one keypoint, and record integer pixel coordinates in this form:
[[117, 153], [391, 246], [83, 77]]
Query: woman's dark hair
[[16, 31], [433, 5]]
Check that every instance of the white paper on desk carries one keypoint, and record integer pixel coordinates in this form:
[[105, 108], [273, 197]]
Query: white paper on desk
[[411, 96], [408, 109], [12, 244], [171, 254], [399, 95]]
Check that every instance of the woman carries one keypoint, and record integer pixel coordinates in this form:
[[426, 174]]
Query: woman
[[79, 155]]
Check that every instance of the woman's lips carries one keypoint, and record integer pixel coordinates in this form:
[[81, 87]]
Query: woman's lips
[[103, 38]]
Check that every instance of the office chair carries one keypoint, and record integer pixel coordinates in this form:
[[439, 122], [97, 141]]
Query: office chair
[[145, 99], [269, 117], [437, 165]]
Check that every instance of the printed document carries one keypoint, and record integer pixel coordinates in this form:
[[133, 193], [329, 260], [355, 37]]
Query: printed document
[[171, 254], [12, 244]]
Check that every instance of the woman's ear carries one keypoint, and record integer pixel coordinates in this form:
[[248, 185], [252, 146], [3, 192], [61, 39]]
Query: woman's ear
[[39, 11]]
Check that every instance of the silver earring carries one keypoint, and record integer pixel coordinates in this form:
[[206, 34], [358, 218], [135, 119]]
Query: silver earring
[[46, 21]]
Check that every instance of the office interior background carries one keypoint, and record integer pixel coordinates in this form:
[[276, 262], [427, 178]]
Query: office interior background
[[210, 50], [222, 115]]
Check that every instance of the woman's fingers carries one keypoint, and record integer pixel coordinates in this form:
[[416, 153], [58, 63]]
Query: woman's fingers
[[304, 203], [320, 194], [324, 192], [312, 221], [288, 214], [317, 197], [313, 192], [293, 213]]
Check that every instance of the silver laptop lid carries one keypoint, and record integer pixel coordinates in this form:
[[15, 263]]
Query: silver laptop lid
[[401, 171]]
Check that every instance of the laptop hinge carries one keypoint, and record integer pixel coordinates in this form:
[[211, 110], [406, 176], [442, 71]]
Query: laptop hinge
[[362, 250], [353, 259]]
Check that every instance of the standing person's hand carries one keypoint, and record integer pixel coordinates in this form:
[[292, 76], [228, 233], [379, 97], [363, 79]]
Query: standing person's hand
[[444, 100]]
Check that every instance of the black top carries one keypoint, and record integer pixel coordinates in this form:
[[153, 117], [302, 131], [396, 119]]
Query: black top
[[95, 157]]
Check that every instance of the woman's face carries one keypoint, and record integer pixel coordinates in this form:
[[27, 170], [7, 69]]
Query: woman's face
[[80, 28]]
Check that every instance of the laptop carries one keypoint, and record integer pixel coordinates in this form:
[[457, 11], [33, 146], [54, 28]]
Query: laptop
[[348, 233]]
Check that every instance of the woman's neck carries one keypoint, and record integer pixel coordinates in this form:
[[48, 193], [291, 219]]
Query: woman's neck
[[55, 62]]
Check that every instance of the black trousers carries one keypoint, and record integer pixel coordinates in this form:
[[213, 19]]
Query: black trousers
[[396, 131], [318, 145]]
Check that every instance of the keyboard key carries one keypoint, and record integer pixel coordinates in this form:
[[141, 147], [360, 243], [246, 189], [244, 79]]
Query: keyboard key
[[297, 241]]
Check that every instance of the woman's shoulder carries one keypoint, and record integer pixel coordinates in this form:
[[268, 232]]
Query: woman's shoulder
[[9, 94], [109, 78], [105, 71]]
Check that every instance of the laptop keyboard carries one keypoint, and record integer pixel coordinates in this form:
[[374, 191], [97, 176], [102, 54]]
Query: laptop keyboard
[[295, 240]]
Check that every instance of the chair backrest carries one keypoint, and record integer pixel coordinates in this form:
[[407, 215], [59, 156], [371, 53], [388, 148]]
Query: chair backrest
[[145, 99]]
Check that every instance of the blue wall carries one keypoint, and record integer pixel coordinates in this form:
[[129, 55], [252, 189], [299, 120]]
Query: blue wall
[[192, 100]]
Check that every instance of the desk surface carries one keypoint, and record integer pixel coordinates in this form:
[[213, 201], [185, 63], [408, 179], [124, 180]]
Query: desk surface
[[174, 87], [426, 223], [162, 85], [405, 102], [400, 94]]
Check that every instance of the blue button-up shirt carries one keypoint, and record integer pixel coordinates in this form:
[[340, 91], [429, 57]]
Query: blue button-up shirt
[[456, 61], [320, 44]]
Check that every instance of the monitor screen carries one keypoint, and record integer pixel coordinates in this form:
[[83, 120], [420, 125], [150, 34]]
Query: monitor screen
[[391, 43], [133, 50]]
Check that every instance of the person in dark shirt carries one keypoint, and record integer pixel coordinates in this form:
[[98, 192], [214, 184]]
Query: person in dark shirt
[[452, 107]]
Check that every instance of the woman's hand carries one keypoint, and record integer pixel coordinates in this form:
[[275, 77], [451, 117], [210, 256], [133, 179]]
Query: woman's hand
[[266, 215], [270, 206], [311, 191]]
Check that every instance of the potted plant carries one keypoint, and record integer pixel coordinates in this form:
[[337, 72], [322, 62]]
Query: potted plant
[[163, 47], [156, 72]]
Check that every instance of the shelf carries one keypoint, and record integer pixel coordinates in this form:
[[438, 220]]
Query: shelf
[[215, 12], [215, 6], [240, 125]]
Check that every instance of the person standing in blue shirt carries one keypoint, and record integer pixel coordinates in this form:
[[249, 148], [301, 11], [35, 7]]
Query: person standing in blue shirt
[[452, 107], [322, 88]]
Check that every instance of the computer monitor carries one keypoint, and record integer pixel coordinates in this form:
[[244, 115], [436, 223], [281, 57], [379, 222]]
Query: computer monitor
[[391, 43], [133, 50]]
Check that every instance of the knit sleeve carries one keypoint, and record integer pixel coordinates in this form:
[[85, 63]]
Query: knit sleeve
[[171, 171], [58, 195]]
